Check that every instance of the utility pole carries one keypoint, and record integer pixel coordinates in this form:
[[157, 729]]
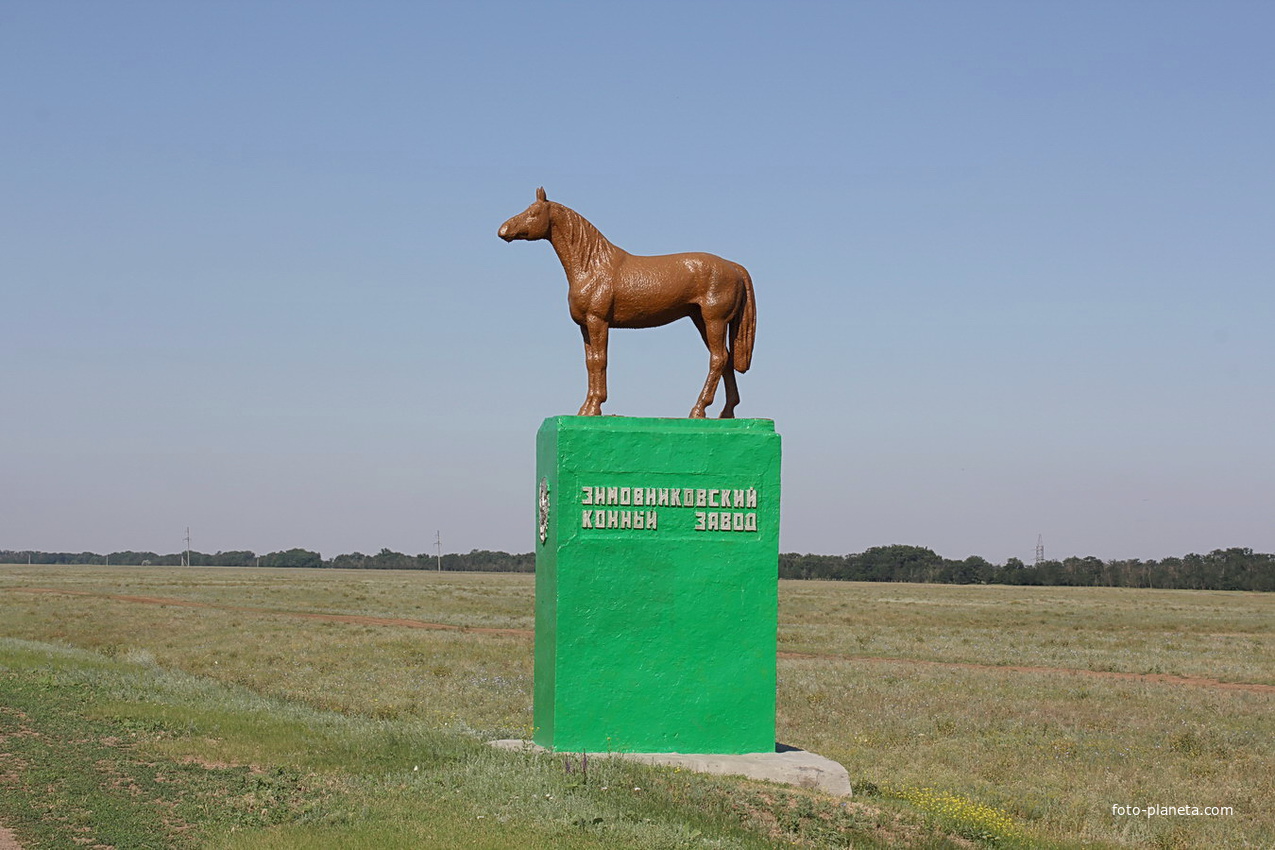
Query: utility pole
[[188, 545], [438, 544], [1040, 549]]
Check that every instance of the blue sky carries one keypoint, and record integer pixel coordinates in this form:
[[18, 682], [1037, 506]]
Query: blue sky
[[1014, 264]]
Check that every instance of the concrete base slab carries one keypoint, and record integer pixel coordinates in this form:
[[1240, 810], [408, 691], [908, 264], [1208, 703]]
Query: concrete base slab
[[787, 765]]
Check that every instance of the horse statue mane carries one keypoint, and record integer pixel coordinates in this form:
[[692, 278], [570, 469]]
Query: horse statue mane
[[584, 241], [607, 287]]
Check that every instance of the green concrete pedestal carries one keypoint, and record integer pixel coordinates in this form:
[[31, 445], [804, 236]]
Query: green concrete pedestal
[[656, 584]]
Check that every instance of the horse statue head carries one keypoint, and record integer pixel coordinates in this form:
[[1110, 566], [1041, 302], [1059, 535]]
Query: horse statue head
[[530, 224]]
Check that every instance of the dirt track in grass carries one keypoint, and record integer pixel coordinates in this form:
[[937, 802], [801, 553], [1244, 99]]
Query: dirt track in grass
[[1161, 678], [275, 612], [356, 619]]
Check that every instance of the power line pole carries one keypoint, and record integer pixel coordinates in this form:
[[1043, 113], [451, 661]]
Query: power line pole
[[1040, 549], [438, 545], [188, 545]]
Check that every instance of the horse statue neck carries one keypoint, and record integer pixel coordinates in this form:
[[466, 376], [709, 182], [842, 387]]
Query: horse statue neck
[[580, 246]]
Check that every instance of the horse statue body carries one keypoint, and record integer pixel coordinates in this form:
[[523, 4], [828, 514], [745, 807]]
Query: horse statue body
[[610, 288]]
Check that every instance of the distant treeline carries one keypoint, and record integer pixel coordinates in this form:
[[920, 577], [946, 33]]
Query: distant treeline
[[478, 560], [1221, 569]]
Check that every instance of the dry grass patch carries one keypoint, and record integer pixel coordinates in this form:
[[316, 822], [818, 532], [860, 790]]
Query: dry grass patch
[[1052, 751], [1213, 634]]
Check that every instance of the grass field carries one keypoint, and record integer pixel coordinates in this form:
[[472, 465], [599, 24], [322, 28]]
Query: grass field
[[294, 708]]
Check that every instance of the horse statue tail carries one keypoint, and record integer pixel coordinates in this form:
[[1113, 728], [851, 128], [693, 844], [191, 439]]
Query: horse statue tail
[[743, 328]]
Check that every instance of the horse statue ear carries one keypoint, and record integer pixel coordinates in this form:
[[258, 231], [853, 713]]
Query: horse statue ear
[[540, 194]]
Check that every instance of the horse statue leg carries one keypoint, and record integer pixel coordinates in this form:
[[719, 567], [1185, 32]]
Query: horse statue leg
[[594, 331], [732, 390], [714, 336]]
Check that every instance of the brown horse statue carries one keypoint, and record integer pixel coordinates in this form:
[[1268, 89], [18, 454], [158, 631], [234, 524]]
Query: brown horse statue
[[610, 288]]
